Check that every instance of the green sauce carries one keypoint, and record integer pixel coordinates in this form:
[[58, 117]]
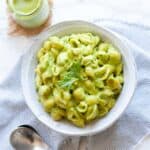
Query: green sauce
[[29, 13], [25, 6]]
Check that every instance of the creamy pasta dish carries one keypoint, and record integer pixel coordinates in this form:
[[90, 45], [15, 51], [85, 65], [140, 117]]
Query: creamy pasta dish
[[78, 77]]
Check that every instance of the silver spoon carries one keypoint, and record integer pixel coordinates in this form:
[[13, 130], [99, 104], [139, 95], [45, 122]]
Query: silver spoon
[[26, 137]]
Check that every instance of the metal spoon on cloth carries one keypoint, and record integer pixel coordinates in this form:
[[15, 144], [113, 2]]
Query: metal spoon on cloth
[[26, 137]]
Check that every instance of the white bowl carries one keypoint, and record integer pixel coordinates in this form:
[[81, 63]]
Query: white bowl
[[64, 127]]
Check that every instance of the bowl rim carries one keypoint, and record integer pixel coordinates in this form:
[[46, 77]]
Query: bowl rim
[[116, 36]]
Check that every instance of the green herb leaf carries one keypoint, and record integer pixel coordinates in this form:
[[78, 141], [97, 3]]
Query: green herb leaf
[[72, 75], [67, 82]]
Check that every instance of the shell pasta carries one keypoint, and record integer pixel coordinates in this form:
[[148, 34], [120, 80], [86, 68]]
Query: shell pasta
[[78, 77]]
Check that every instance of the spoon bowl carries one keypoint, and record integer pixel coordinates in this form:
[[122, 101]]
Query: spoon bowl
[[26, 137]]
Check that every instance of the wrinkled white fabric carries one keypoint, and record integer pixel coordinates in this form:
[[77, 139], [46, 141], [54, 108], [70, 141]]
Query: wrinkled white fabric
[[134, 123]]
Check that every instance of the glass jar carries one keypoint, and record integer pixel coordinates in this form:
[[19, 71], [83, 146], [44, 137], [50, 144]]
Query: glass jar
[[29, 13]]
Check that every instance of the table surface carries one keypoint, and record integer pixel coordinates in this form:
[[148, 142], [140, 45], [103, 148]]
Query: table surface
[[144, 144], [138, 10]]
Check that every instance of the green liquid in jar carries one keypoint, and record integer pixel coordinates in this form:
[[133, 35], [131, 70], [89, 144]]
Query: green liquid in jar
[[25, 6], [29, 13]]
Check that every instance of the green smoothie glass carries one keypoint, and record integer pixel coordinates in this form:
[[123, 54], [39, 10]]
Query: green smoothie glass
[[29, 13]]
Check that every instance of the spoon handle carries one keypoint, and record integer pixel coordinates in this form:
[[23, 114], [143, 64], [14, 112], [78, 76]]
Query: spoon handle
[[41, 148]]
